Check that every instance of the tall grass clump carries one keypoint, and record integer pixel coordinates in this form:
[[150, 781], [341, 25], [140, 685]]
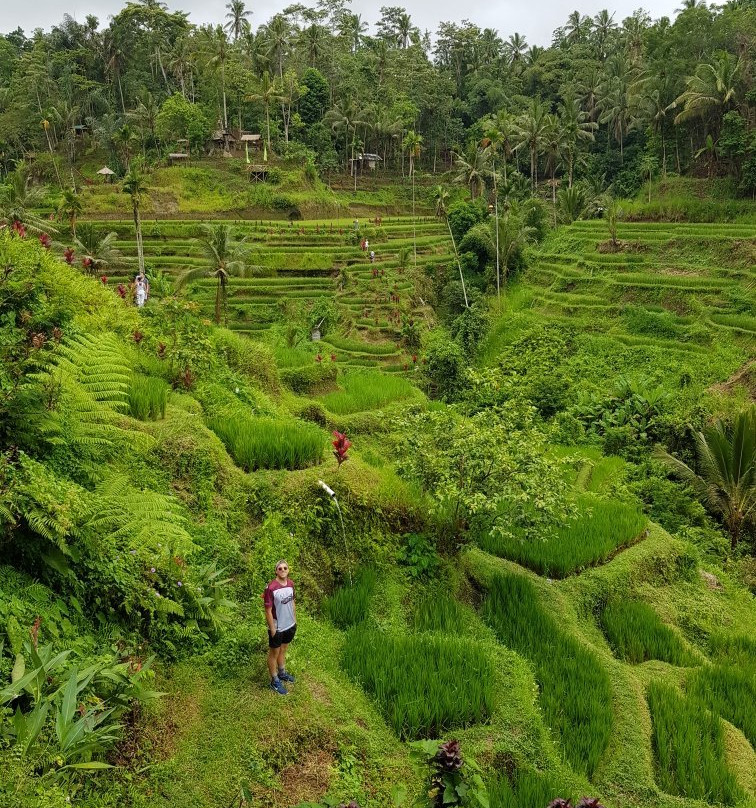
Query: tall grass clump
[[737, 649], [689, 747], [424, 684], [575, 692], [350, 605], [636, 633], [367, 391], [148, 397], [440, 612], [728, 691], [527, 789], [601, 527], [265, 443]]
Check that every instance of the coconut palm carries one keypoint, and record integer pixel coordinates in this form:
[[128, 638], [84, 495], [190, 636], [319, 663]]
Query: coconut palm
[[225, 259], [346, 117], [216, 48], [353, 29], [278, 35], [473, 169], [70, 206], [512, 233], [237, 18], [713, 88], [269, 93], [577, 28], [603, 27], [532, 127], [441, 198], [576, 128], [312, 40], [16, 199], [135, 185], [725, 475], [515, 47], [96, 249], [411, 144]]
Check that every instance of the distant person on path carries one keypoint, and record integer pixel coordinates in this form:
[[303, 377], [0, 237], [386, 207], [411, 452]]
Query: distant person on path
[[141, 289], [282, 625], [372, 256]]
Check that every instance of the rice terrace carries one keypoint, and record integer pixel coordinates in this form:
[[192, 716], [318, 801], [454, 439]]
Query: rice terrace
[[377, 405]]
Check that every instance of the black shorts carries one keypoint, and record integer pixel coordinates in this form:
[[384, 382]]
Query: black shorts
[[281, 637]]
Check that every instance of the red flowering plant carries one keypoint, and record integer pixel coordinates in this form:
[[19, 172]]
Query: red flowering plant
[[19, 229], [45, 240], [104, 278], [68, 255], [341, 446]]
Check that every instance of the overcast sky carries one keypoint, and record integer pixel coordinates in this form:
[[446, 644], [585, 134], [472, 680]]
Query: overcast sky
[[536, 19]]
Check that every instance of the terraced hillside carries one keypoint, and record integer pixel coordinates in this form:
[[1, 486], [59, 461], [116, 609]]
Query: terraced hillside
[[305, 261], [669, 303]]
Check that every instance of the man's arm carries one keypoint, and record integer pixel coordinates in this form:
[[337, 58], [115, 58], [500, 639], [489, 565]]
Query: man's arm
[[269, 619]]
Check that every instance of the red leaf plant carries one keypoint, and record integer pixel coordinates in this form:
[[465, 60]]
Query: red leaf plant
[[45, 240], [340, 447], [68, 254], [19, 229]]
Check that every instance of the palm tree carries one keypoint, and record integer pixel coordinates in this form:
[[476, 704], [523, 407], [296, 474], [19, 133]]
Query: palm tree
[[603, 27], [577, 28], [473, 168], [714, 87], [96, 248], [353, 29], [312, 39], [70, 206], [711, 150], [512, 234], [17, 197], [553, 149], [515, 47], [532, 128], [346, 117], [726, 476], [411, 144], [405, 30], [618, 100], [441, 198], [225, 259], [278, 34], [237, 18], [571, 203], [576, 128], [216, 47], [135, 185], [269, 93]]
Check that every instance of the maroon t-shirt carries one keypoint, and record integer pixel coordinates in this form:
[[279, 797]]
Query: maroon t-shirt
[[280, 598]]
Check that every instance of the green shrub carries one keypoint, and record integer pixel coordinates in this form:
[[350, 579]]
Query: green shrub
[[309, 378], [575, 693], [265, 443], [424, 684], [636, 634], [350, 604], [232, 653], [252, 359], [730, 692], [601, 527], [148, 397], [735, 649], [367, 391], [689, 746]]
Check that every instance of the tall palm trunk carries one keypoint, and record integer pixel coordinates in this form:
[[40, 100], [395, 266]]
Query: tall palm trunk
[[496, 222], [138, 230], [459, 265]]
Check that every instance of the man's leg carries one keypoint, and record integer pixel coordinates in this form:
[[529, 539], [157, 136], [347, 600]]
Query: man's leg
[[273, 662], [282, 657]]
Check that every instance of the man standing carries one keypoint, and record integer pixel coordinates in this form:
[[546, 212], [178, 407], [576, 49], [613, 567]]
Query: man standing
[[282, 625]]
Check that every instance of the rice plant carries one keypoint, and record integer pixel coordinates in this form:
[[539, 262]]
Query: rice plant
[[265, 443], [575, 693], [527, 789], [689, 746], [601, 527], [148, 397], [425, 684], [440, 612], [737, 649], [636, 633], [367, 391], [728, 691], [350, 605]]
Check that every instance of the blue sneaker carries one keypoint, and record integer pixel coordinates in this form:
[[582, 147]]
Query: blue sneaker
[[285, 676], [277, 685]]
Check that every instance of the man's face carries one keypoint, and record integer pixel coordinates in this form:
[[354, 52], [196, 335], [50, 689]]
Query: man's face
[[282, 571]]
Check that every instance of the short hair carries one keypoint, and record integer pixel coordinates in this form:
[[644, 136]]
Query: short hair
[[281, 561]]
